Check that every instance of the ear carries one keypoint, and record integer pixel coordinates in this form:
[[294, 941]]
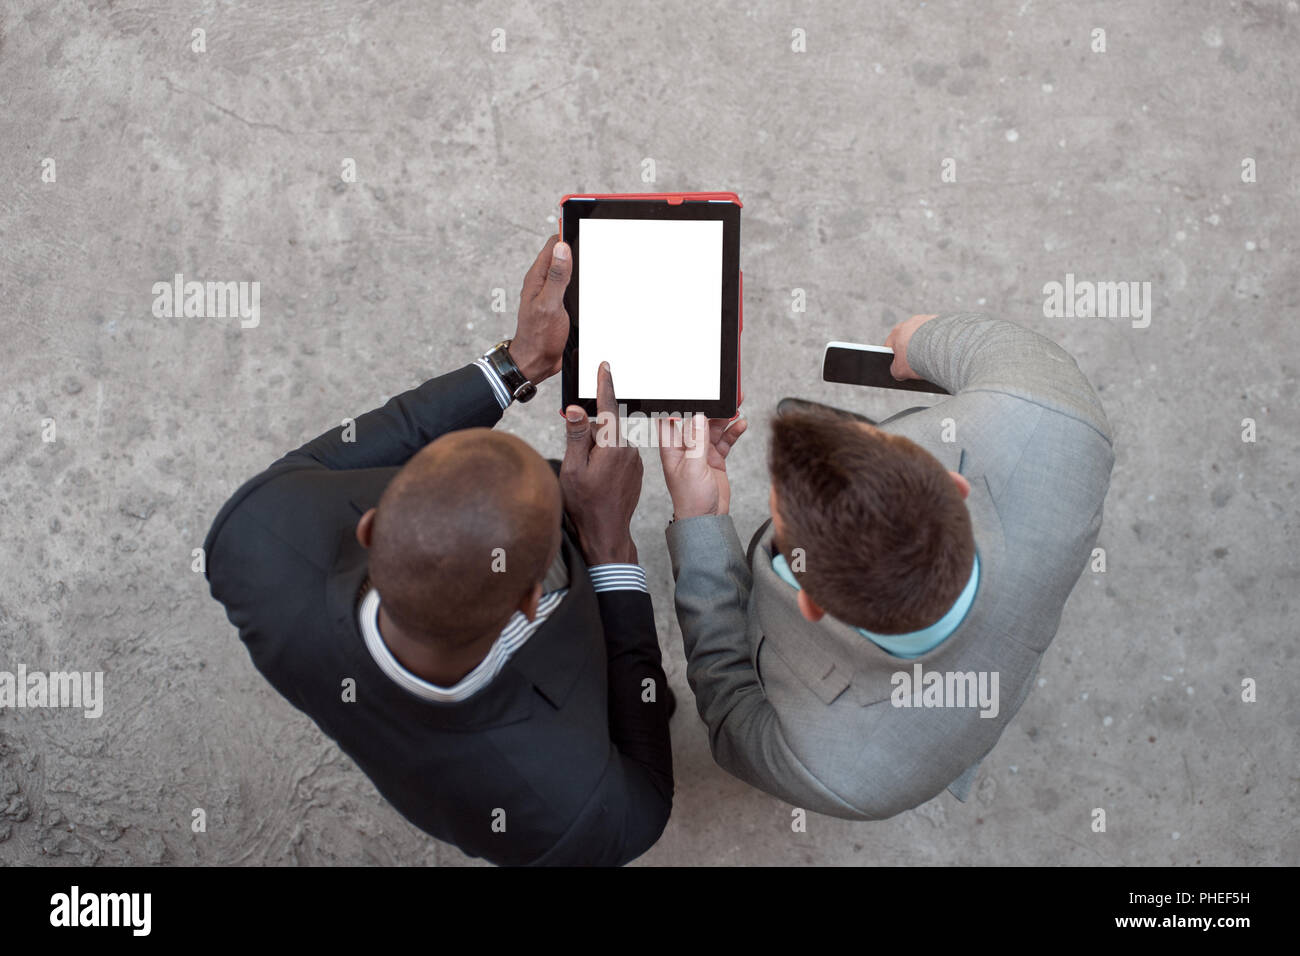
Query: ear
[[529, 604], [808, 608], [366, 528], [962, 484]]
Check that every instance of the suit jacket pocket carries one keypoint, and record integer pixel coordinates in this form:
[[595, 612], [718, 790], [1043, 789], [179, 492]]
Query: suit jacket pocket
[[812, 664]]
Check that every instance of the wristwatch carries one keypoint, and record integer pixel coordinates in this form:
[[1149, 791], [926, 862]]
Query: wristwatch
[[520, 389]]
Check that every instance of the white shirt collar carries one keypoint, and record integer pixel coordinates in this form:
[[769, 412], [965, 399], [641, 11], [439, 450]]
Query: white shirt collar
[[517, 630]]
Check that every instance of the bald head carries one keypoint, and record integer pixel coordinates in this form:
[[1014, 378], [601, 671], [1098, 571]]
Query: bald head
[[463, 533]]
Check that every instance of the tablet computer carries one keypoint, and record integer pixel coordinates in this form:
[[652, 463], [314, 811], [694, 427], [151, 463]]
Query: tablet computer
[[656, 292]]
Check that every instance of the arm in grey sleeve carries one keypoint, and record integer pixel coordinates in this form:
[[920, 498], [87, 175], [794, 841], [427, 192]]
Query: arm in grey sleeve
[[1049, 482], [970, 351], [712, 596]]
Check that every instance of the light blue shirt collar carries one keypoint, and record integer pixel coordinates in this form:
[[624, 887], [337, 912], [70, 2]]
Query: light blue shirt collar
[[915, 643]]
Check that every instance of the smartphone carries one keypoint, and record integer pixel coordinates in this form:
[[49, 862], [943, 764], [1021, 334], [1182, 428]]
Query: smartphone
[[851, 364]]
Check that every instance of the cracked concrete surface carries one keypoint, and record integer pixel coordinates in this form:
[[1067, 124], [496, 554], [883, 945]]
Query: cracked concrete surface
[[225, 164]]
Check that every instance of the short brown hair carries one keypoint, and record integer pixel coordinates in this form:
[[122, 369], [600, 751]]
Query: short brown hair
[[433, 556], [886, 537]]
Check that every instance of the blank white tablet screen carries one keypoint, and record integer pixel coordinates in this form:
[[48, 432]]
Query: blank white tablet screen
[[650, 304]]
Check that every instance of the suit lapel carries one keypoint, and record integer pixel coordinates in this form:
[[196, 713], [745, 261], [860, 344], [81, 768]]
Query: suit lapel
[[553, 657], [803, 646], [350, 564]]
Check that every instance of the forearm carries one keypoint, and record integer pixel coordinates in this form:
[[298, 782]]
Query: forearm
[[712, 582], [391, 434], [636, 685], [387, 436], [965, 351], [637, 789], [745, 734]]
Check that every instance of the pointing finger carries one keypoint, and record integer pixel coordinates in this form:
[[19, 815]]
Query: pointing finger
[[605, 401]]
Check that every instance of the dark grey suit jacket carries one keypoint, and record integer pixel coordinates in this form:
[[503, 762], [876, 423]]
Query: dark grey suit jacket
[[808, 712], [557, 761]]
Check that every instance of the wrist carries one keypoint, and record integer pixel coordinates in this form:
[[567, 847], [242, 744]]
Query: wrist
[[536, 371], [535, 366], [617, 552], [695, 509]]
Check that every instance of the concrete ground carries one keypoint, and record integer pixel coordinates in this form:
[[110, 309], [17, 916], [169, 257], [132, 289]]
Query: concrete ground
[[1122, 165]]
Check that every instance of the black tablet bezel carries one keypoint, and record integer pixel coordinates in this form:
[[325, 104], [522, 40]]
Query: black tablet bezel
[[728, 213]]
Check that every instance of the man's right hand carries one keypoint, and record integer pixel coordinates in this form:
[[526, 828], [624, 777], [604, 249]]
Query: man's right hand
[[899, 337], [601, 481], [543, 324]]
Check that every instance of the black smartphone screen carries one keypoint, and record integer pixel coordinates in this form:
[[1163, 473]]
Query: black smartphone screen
[[850, 364]]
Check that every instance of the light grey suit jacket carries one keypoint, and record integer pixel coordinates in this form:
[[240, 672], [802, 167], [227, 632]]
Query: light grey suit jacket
[[806, 711]]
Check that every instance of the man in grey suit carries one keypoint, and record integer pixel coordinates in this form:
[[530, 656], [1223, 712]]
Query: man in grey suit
[[896, 610]]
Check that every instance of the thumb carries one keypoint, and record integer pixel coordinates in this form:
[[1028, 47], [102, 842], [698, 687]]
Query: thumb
[[670, 443], [557, 277], [577, 433], [898, 366]]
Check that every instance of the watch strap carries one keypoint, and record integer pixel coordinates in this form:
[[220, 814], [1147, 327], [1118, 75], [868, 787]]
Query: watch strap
[[511, 375]]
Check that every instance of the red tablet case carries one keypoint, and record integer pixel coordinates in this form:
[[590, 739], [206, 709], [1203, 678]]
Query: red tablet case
[[676, 199]]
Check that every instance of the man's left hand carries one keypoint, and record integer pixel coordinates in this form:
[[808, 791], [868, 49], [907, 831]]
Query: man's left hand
[[694, 457]]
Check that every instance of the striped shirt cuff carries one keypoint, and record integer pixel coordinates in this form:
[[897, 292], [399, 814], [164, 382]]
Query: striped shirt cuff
[[618, 577], [494, 380]]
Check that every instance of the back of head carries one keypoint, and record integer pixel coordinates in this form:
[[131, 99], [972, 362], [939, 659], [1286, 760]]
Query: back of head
[[463, 533], [885, 535]]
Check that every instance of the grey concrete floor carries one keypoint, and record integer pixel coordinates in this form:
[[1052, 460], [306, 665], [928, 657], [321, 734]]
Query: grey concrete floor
[[225, 164]]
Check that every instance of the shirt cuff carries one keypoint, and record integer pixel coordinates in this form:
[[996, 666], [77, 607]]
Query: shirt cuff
[[494, 380], [618, 577]]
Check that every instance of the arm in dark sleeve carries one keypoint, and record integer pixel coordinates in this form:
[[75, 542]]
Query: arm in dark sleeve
[[385, 437], [630, 808], [391, 434], [638, 729]]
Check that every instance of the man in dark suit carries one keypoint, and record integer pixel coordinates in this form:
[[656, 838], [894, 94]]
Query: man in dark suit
[[410, 586]]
